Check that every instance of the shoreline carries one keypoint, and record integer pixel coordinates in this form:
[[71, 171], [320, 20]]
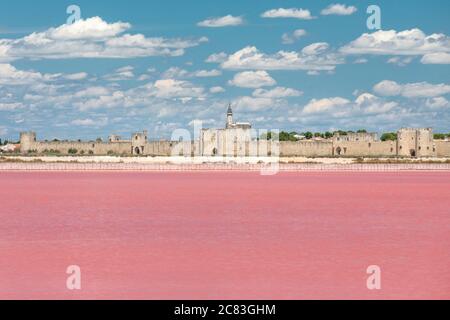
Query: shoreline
[[263, 169], [266, 165]]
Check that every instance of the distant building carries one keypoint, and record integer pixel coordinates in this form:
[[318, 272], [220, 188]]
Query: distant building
[[416, 142], [10, 148], [355, 137], [234, 140], [237, 140]]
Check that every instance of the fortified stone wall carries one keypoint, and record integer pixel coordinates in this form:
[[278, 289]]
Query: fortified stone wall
[[365, 149], [355, 137], [237, 142], [442, 148], [95, 148], [306, 149], [172, 148]]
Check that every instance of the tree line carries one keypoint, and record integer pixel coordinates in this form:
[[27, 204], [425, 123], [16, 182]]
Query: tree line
[[308, 135]]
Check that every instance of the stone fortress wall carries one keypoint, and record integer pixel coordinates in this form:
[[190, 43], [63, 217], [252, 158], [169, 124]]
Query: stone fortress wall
[[238, 140], [234, 142]]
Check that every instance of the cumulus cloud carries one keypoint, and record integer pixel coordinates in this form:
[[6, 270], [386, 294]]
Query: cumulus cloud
[[302, 14], [437, 103], [217, 58], [92, 92], [207, 73], [76, 76], [436, 58], [322, 105], [121, 74], [170, 88], [151, 93], [312, 57], [252, 79], [434, 48], [90, 122], [9, 75], [91, 38], [399, 61], [278, 92], [218, 22], [10, 106], [253, 104], [178, 73], [216, 89], [337, 107], [339, 9], [288, 38], [411, 90], [369, 104]]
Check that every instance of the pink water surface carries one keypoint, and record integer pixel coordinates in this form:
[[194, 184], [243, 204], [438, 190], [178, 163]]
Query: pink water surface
[[225, 235]]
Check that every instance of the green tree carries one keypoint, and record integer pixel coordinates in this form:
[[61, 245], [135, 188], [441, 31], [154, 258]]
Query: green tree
[[341, 132], [328, 135], [362, 131], [439, 136], [318, 135], [389, 136], [308, 135]]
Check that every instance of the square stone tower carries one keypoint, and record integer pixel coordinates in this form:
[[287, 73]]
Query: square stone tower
[[27, 141], [139, 142], [416, 142]]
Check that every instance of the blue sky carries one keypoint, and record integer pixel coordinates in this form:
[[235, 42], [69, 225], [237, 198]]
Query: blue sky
[[161, 65]]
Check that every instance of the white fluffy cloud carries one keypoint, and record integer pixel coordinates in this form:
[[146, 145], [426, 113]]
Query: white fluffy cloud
[[436, 58], [369, 104], [414, 42], [437, 103], [124, 73], [399, 61], [170, 88], [90, 122], [9, 75], [178, 73], [252, 79], [253, 104], [216, 89], [278, 92], [339, 9], [337, 107], [10, 106], [302, 14], [76, 76], [322, 105], [226, 21], [288, 38], [217, 58], [91, 38], [207, 73], [312, 57], [411, 90]]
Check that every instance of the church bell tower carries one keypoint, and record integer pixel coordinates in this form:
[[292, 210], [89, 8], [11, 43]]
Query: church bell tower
[[229, 124]]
